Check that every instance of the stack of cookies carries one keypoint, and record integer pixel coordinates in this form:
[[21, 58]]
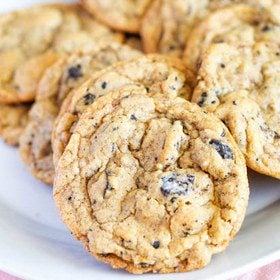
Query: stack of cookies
[[143, 115]]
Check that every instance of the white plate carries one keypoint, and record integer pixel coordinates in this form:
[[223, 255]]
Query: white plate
[[34, 244]]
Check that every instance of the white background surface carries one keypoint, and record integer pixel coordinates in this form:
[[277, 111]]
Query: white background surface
[[34, 244]]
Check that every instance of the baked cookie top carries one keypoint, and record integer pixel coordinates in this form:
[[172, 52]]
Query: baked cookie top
[[236, 25], [123, 15], [150, 182], [58, 80], [167, 24], [241, 85], [154, 73], [29, 37], [13, 119]]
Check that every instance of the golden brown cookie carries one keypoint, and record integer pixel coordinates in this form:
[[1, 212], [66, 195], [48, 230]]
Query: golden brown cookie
[[167, 24], [241, 85], [149, 182], [31, 38], [13, 119], [237, 25], [153, 72], [57, 82], [123, 15]]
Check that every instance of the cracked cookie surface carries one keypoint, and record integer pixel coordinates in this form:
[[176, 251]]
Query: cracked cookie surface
[[123, 15], [13, 119], [56, 83], [153, 72], [168, 23], [241, 85], [151, 183], [238, 25], [31, 39]]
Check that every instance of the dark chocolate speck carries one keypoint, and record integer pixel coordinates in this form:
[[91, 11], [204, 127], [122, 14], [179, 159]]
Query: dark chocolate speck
[[224, 150], [202, 99], [75, 72], [276, 135], [156, 244], [175, 183], [89, 98], [133, 117], [104, 85], [266, 28]]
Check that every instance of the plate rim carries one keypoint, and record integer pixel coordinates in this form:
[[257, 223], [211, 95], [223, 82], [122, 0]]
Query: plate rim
[[250, 266]]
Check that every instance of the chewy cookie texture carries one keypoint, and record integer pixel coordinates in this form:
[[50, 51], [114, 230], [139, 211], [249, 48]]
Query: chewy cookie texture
[[147, 153], [168, 24], [155, 73], [156, 184], [122, 15], [241, 85], [29, 33], [238, 25], [137, 145], [56, 83]]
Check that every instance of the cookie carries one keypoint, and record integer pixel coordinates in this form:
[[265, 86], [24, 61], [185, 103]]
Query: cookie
[[241, 85], [20, 79], [167, 24], [57, 82], [155, 73], [237, 25], [151, 183], [121, 15], [13, 119], [31, 39]]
